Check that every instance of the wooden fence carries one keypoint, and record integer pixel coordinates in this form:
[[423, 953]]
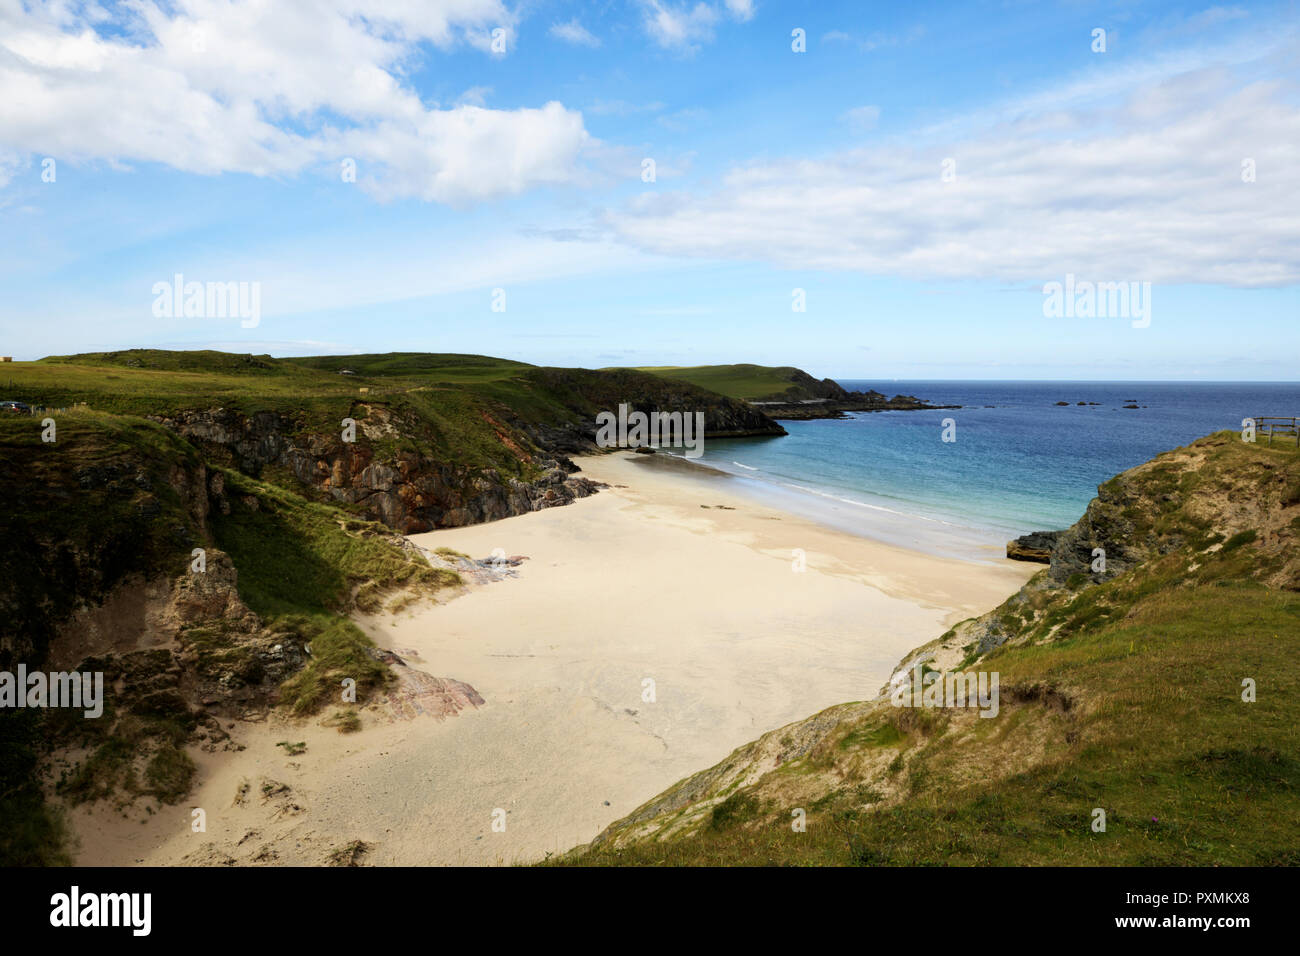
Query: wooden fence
[[1275, 425]]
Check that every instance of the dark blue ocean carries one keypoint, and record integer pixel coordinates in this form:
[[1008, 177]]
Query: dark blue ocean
[[1019, 463]]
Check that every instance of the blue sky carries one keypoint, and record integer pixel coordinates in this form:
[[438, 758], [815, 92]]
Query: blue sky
[[207, 138]]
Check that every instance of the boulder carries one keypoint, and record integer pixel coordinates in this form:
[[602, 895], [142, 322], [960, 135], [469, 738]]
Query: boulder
[[1035, 546]]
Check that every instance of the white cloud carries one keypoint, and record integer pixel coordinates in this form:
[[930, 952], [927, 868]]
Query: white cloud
[[474, 96], [212, 86], [575, 33], [683, 27], [679, 27], [741, 9], [1147, 189]]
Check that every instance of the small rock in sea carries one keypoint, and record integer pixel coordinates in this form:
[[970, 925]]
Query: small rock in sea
[[1130, 406], [1063, 403]]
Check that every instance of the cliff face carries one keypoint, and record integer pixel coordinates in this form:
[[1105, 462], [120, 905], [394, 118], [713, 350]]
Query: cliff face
[[104, 503], [100, 530], [116, 562], [402, 488], [390, 474], [803, 386], [99, 527]]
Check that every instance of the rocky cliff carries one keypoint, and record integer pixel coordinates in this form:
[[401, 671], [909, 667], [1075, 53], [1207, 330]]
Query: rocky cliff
[[403, 488]]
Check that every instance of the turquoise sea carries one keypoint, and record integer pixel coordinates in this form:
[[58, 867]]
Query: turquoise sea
[[1019, 463]]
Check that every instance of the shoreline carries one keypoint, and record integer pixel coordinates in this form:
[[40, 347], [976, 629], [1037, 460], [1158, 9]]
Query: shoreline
[[908, 530], [666, 576]]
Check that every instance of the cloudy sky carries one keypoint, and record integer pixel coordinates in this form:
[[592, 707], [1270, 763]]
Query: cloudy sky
[[660, 182]]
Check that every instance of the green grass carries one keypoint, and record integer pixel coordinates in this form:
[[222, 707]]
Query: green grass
[[301, 564], [734, 810], [1237, 540], [443, 396], [339, 650], [741, 382], [297, 556], [474, 411], [345, 721], [443, 367]]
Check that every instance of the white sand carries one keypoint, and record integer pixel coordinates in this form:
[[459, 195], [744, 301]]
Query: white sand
[[639, 582]]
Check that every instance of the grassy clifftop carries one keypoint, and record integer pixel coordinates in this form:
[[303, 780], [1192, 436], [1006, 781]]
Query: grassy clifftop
[[752, 383], [1121, 691], [474, 410]]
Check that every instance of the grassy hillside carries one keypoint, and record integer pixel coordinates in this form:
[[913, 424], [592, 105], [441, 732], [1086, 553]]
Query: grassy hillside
[[1119, 692], [456, 406], [445, 366], [750, 382]]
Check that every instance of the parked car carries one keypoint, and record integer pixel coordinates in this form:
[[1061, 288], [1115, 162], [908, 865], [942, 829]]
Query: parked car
[[17, 408]]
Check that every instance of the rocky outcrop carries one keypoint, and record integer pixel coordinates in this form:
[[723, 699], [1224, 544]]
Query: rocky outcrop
[[1215, 493], [1035, 546], [869, 401], [415, 693]]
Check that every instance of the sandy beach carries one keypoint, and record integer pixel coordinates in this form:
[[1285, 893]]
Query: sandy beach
[[652, 628]]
